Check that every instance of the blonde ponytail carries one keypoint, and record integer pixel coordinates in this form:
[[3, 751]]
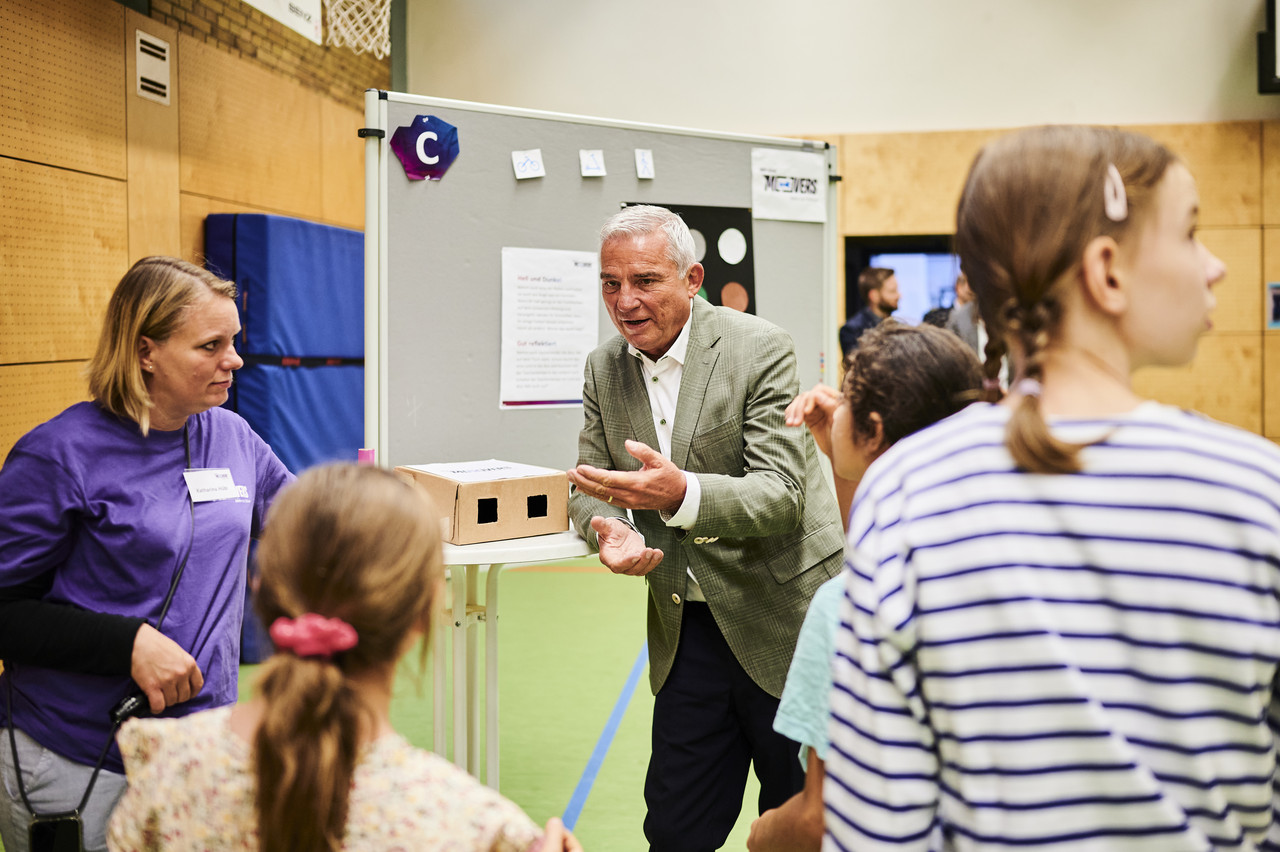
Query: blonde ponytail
[[305, 754]]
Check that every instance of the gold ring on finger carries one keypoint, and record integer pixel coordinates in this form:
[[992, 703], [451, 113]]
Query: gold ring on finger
[[610, 500]]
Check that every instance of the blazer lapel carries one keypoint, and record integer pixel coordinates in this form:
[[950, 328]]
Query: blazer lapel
[[700, 364]]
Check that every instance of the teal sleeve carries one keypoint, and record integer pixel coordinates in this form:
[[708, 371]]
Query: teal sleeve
[[802, 712]]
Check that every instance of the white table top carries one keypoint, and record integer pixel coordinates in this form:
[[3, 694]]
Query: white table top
[[534, 548]]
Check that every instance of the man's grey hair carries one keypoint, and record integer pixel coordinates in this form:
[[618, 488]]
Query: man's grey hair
[[642, 219]]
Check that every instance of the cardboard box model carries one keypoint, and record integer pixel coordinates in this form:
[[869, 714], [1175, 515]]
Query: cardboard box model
[[492, 500]]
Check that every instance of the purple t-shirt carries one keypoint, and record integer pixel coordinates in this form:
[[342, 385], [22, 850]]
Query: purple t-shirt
[[87, 497]]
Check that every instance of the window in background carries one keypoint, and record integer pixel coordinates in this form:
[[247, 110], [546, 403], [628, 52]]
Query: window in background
[[923, 263], [926, 281]]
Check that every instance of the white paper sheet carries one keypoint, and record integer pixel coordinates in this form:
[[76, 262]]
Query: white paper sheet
[[790, 185], [483, 471], [549, 324]]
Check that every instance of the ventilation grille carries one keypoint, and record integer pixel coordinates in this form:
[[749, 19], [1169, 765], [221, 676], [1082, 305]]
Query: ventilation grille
[[153, 67]]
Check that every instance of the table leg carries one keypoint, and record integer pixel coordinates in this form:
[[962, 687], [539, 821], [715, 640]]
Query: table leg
[[458, 587], [491, 676], [438, 640], [473, 707]]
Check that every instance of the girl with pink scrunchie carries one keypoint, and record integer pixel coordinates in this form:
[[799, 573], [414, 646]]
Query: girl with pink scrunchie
[[349, 573]]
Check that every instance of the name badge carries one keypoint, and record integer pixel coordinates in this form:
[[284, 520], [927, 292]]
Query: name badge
[[210, 483]]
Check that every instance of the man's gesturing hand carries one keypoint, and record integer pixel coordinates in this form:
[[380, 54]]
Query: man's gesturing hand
[[659, 484], [622, 549]]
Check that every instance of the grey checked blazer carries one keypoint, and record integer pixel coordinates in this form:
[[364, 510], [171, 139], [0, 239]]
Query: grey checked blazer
[[768, 531]]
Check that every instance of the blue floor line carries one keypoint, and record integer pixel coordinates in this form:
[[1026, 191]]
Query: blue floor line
[[580, 793]]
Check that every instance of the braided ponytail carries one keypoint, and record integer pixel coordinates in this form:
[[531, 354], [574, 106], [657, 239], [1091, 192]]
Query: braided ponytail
[[1032, 445]]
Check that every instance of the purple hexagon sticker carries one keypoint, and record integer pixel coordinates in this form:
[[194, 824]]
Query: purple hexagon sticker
[[426, 148]]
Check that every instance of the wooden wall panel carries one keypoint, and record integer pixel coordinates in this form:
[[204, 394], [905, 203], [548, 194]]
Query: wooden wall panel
[[909, 183], [1270, 258], [905, 183], [247, 135], [32, 393], [1224, 381], [341, 165], [1271, 173], [1239, 303], [1226, 159], [63, 247], [1271, 382], [152, 152], [62, 84]]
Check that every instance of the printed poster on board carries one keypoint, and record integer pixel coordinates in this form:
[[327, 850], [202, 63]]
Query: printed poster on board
[[789, 185], [550, 323]]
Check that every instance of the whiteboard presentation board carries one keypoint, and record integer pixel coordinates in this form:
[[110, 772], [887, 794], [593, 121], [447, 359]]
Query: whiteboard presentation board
[[433, 255]]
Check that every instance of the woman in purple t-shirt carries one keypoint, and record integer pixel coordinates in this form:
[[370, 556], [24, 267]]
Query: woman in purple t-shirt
[[138, 503]]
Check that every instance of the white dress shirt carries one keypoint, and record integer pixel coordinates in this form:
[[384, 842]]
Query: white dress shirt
[[662, 381]]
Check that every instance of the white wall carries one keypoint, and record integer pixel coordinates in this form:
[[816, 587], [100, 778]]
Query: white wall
[[836, 66]]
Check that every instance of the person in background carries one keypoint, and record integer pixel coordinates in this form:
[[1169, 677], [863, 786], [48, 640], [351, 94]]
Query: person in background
[[349, 574], [1060, 625], [936, 317], [963, 319], [137, 503], [900, 379], [878, 288], [731, 523]]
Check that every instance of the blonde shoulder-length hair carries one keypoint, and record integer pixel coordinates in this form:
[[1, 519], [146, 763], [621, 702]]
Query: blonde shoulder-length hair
[[149, 301]]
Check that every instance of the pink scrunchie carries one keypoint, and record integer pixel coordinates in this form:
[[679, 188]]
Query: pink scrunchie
[[313, 635]]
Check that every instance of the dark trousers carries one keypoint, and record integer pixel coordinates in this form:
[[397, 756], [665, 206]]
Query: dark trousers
[[710, 723]]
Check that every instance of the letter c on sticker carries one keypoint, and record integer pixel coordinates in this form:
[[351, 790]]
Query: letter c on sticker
[[422, 148]]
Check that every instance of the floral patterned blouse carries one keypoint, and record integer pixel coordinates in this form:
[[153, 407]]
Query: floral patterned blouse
[[191, 787]]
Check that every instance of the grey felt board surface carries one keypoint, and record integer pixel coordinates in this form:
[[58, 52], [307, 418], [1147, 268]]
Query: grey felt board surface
[[444, 284]]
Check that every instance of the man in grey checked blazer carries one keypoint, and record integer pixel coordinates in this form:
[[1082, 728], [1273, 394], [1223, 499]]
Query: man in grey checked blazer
[[733, 529]]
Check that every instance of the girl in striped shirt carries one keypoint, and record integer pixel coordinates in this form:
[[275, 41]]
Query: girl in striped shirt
[[1061, 622]]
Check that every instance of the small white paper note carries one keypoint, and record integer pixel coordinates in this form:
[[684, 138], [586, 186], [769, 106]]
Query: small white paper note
[[528, 164], [592, 162], [644, 164]]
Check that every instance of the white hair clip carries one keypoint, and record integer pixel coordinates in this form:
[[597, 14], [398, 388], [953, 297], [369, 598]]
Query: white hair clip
[[1114, 201], [1027, 387]]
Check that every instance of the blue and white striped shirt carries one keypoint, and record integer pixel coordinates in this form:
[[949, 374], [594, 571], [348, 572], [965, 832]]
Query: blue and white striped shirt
[[1079, 662]]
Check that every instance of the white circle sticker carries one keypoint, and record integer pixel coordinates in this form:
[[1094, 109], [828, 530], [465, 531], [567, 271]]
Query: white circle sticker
[[699, 245], [732, 246]]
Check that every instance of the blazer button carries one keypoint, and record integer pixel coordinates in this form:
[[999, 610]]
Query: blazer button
[[675, 598]]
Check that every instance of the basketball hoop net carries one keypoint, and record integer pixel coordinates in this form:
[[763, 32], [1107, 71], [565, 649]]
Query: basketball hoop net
[[362, 25]]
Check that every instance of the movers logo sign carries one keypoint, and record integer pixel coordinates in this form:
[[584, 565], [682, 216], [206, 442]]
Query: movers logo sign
[[788, 184]]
